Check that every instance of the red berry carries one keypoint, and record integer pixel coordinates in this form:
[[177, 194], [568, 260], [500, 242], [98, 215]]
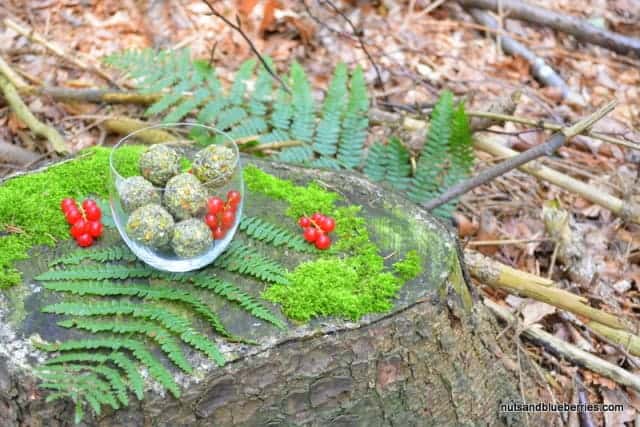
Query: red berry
[[87, 203], [304, 222], [215, 205], [84, 240], [73, 215], [323, 242], [316, 217], [327, 224], [218, 233], [95, 228], [67, 203], [211, 220], [79, 228], [228, 218], [310, 234], [233, 196], [93, 212]]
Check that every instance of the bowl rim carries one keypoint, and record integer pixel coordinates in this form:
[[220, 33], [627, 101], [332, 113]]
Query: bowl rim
[[124, 139]]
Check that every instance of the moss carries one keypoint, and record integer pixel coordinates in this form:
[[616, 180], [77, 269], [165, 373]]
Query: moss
[[348, 281], [410, 267], [30, 205]]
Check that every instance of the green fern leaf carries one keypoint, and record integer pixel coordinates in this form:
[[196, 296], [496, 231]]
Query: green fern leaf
[[328, 131], [101, 272], [137, 348], [296, 155], [160, 335], [303, 105], [261, 94], [186, 106], [272, 234], [230, 117], [356, 122], [234, 294], [113, 253], [244, 259], [377, 163], [238, 88]]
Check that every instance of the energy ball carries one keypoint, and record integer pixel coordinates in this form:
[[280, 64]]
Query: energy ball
[[214, 165], [159, 164], [150, 225], [136, 192], [185, 196], [191, 237]]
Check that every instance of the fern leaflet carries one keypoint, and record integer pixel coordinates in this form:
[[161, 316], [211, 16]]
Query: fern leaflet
[[272, 234]]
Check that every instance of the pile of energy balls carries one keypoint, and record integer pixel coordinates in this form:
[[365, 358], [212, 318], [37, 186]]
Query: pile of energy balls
[[166, 206]]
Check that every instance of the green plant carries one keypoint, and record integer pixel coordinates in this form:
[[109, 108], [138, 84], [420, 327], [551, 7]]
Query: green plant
[[331, 135]]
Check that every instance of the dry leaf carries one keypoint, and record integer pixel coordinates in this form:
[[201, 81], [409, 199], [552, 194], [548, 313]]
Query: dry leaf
[[535, 311], [268, 15], [466, 228], [245, 7], [615, 418], [488, 230]]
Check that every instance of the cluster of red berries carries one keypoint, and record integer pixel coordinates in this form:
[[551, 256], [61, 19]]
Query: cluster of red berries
[[85, 221], [221, 215], [314, 229]]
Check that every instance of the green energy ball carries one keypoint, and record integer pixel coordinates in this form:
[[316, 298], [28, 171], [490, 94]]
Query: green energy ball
[[191, 237], [136, 192], [159, 164], [185, 196], [214, 165], [150, 225]]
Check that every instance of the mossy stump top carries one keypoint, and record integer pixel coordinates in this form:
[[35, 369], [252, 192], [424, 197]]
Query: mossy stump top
[[408, 264]]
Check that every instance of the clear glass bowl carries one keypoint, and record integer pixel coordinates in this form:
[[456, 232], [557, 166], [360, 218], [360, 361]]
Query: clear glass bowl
[[188, 141]]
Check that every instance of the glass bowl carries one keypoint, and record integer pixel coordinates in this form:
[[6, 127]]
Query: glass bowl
[[188, 139]]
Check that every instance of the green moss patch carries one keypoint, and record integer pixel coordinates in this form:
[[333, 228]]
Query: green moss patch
[[348, 281], [30, 205]]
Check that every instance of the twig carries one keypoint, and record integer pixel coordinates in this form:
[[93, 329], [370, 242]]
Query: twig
[[125, 126], [504, 242], [500, 276], [56, 50], [579, 28], [238, 28], [22, 111], [569, 351], [546, 149], [12, 76], [539, 68], [358, 34]]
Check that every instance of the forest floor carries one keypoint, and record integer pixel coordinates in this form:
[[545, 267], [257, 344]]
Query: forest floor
[[420, 47]]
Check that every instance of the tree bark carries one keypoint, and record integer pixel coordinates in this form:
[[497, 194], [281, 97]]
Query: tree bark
[[427, 362]]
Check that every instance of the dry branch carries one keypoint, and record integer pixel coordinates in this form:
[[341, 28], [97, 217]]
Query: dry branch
[[539, 68], [501, 276], [125, 126], [579, 28], [569, 351], [33, 36], [546, 149], [625, 209], [22, 111]]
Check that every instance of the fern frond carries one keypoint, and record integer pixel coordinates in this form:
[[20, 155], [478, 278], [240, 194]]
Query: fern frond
[[234, 294], [244, 259], [461, 145], [431, 164], [112, 253], [303, 105], [160, 335], [282, 110], [376, 165], [328, 131], [119, 359], [186, 106], [152, 293], [172, 322], [99, 272], [157, 371], [262, 91], [325, 162], [356, 122], [86, 382], [296, 155], [272, 234], [239, 86]]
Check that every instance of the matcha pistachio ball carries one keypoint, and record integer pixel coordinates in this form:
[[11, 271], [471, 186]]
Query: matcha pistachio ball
[[214, 165], [185, 197], [159, 163], [136, 192], [190, 238], [150, 225]]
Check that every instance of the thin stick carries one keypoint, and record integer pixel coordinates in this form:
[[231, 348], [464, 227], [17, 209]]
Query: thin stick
[[238, 28], [504, 242], [22, 111], [56, 50], [546, 149], [569, 351], [358, 34]]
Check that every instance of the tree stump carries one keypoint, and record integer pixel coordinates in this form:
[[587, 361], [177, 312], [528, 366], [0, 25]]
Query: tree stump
[[428, 361]]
